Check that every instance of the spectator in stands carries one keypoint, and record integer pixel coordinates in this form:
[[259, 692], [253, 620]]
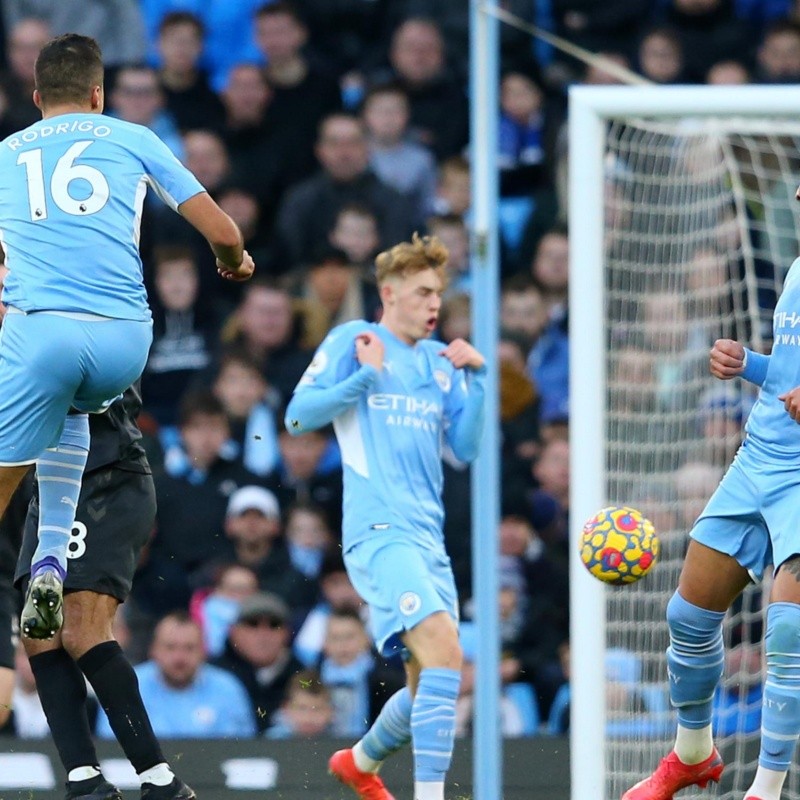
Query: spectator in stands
[[25, 38], [253, 524], [453, 190], [216, 609], [709, 31], [250, 404], [661, 56], [693, 484], [251, 214], [183, 332], [255, 155], [337, 594], [302, 94], [721, 414], [228, 26], [187, 94], [192, 495], [308, 473], [779, 53], [116, 25], [539, 573], [308, 210], [308, 537], [258, 653], [453, 234], [455, 319], [521, 135], [399, 162], [550, 270], [549, 502], [523, 311], [439, 109], [307, 711], [266, 326], [184, 696], [137, 97], [333, 291], [519, 414], [728, 72], [346, 668], [208, 159], [600, 27], [355, 232], [518, 706]]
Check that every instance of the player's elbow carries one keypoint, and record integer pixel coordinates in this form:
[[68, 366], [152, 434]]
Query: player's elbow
[[466, 454]]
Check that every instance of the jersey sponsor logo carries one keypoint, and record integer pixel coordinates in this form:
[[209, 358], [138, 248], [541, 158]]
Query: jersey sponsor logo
[[410, 603], [443, 379], [43, 131], [403, 402], [783, 319]]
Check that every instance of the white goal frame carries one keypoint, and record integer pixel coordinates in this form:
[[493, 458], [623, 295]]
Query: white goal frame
[[590, 108]]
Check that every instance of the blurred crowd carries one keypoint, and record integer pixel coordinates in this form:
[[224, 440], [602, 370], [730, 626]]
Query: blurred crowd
[[330, 130]]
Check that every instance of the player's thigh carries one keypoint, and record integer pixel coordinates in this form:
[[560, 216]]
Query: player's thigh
[[402, 584], [114, 519], [782, 515], [39, 374], [696, 586], [735, 543], [116, 353]]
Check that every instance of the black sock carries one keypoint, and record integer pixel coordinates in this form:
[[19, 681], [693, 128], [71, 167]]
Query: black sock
[[117, 689], [62, 691]]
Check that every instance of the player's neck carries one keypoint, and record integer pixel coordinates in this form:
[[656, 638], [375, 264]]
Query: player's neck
[[397, 332], [67, 108]]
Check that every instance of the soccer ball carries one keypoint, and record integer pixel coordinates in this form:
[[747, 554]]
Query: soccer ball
[[619, 545]]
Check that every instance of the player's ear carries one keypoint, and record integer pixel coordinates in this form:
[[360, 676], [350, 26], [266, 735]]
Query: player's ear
[[98, 98], [37, 99], [386, 292]]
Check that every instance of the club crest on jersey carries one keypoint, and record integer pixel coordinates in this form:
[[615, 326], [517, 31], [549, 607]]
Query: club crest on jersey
[[410, 603], [443, 379], [318, 364]]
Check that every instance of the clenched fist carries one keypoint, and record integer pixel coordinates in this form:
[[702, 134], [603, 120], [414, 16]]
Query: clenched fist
[[726, 359]]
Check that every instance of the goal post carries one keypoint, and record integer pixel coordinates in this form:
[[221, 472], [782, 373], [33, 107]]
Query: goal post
[[637, 134]]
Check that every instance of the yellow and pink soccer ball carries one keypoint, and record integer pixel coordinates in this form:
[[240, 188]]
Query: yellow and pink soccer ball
[[619, 545]]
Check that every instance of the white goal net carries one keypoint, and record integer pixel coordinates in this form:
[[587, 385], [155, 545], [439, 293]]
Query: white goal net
[[700, 226]]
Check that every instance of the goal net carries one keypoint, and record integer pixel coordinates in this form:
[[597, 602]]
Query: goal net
[[698, 228]]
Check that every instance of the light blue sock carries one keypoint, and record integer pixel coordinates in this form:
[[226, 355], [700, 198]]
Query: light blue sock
[[695, 658], [780, 710], [59, 472], [392, 729], [433, 723]]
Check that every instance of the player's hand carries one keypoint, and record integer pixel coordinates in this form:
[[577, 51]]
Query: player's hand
[[791, 402], [462, 354], [370, 350], [726, 359], [241, 273]]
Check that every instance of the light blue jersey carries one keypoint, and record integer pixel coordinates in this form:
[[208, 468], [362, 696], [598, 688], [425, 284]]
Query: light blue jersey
[[71, 195], [770, 430], [391, 427]]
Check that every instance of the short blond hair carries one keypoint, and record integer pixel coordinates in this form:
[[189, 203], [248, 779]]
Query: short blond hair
[[409, 258]]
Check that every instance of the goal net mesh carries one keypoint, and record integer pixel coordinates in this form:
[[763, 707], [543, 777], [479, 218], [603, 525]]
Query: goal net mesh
[[701, 226]]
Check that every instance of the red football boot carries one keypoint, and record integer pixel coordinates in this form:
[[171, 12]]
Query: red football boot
[[367, 785], [672, 775]]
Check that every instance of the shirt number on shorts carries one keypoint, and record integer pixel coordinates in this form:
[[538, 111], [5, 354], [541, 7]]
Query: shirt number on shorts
[[66, 171], [77, 540]]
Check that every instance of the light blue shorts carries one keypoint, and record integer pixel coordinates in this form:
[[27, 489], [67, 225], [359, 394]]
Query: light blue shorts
[[402, 584], [50, 363], [754, 515]]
